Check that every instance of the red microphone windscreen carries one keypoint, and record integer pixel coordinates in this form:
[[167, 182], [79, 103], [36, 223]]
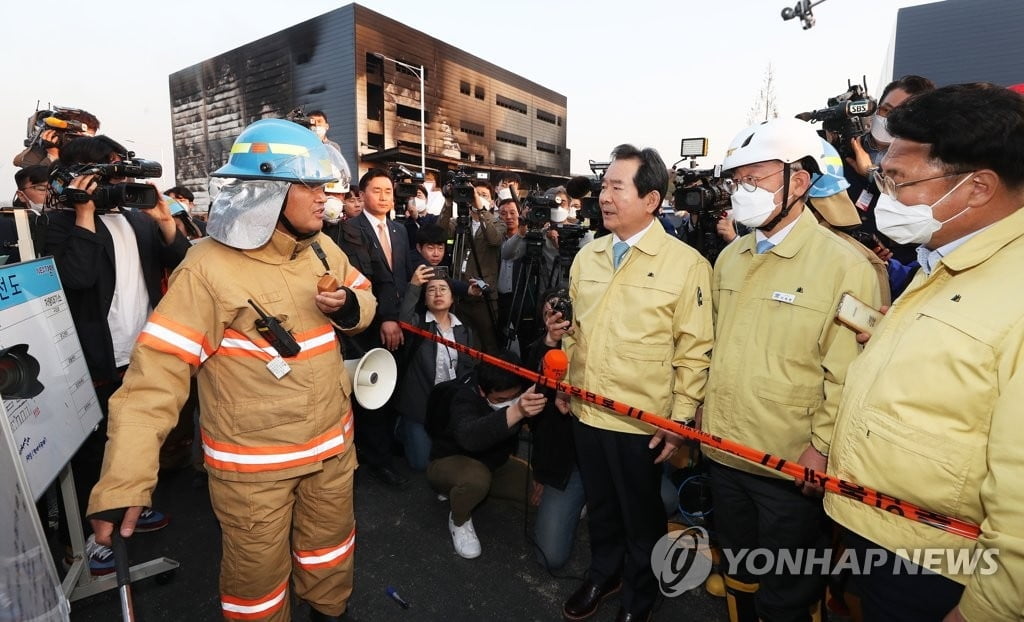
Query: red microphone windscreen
[[554, 365]]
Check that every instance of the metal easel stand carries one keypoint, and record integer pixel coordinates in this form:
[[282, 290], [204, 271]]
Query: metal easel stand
[[79, 583]]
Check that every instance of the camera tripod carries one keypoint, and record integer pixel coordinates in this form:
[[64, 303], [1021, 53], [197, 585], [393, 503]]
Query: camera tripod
[[526, 287]]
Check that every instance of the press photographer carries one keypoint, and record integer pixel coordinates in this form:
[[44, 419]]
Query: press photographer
[[476, 253], [856, 126], [112, 262]]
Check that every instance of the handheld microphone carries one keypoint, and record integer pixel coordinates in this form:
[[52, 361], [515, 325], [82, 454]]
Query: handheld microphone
[[62, 124], [554, 365]]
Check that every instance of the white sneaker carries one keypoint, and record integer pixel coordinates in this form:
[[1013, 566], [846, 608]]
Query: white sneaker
[[464, 538]]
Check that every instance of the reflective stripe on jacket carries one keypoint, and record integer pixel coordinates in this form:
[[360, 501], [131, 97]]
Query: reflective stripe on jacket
[[255, 426]]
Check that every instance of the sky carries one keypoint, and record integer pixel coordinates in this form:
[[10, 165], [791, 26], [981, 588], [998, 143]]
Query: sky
[[646, 72]]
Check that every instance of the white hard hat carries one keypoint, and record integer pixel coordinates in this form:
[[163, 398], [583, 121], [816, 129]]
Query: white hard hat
[[786, 139]]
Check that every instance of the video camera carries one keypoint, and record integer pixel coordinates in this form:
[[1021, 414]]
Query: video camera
[[406, 183], [59, 119], [701, 191], [847, 117], [459, 184], [538, 210], [108, 195]]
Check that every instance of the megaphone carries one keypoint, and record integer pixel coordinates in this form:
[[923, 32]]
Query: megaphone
[[373, 377]]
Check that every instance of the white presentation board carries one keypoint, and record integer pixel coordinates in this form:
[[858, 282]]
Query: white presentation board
[[46, 429], [29, 588]]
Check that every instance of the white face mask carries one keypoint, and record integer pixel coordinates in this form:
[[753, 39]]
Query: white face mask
[[504, 404], [485, 204], [911, 224], [35, 206], [752, 209], [429, 185], [880, 129], [419, 203], [559, 214], [320, 131], [333, 209]]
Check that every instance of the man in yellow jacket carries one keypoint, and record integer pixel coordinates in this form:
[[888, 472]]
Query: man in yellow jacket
[[779, 363], [932, 408], [642, 335], [276, 418]]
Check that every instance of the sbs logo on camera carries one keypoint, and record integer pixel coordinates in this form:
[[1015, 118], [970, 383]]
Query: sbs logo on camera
[[681, 560]]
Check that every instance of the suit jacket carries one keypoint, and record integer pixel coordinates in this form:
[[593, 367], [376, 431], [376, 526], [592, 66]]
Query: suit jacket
[[359, 240], [88, 272]]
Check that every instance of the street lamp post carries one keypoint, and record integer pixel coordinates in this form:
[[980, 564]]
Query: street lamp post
[[419, 71]]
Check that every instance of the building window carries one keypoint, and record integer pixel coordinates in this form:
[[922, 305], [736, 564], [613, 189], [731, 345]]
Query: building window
[[479, 92], [547, 147], [412, 72], [374, 102], [411, 113], [547, 117], [508, 137], [464, 87], [374, 65], [375, 140], [511, 104], [559, 121], [473, 129]]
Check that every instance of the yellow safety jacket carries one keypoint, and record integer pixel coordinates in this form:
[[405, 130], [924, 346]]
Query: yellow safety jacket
[[933, 414], [780, 356], [643, 333]]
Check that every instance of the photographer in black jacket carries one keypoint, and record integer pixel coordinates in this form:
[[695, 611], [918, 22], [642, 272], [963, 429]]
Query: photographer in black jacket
[[471, 458]]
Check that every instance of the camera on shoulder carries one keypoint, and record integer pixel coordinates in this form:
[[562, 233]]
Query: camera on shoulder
[[109, 193]]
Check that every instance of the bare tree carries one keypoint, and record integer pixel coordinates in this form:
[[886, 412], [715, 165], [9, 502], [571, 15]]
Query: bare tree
[[764, 106]]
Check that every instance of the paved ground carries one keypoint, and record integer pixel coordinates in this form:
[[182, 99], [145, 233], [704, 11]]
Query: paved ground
[[403, 542]]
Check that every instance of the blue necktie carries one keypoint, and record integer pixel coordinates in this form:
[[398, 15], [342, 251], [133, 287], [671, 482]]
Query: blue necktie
[[619, 250], [764, 246]]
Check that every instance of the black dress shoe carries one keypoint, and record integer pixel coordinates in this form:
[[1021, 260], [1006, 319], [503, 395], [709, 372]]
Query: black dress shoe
[[622, 616], [389, 476], [588, 598]]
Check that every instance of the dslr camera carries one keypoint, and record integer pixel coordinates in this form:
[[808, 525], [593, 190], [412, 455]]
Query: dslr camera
[[108, 194], [846, 117]]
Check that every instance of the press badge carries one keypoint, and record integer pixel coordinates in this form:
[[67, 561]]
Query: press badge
[[864, 200], [278, 367], [781, 297]]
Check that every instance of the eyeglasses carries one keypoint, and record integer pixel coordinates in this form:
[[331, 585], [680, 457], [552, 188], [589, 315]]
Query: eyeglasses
[[438, 289], [748, 183], [887, 186], [36, 187]]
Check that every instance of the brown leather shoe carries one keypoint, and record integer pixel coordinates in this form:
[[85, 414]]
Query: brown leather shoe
[[622, 616], [585, 601]]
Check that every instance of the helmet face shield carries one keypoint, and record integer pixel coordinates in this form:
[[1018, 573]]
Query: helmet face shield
[[316, 167], [250, 189], [244, 213]]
